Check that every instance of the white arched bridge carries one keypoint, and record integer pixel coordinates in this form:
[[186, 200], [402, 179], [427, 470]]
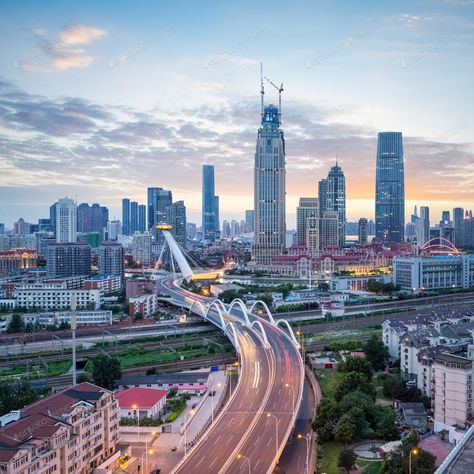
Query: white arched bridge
[[253, 427]]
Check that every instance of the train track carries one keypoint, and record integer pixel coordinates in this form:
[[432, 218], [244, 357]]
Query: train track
[[187, 364], [6, 362]]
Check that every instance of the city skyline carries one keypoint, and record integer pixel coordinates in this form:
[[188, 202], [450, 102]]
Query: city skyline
[[115, 132]]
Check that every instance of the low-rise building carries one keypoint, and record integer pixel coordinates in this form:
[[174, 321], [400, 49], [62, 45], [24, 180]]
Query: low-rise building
[[105, 283], [192, 382], [71, 432], [143, 305], [141, 402], [49, 296], [83, 318]]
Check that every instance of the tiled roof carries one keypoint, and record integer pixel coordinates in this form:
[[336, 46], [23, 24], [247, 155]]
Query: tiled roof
[[141, 397]]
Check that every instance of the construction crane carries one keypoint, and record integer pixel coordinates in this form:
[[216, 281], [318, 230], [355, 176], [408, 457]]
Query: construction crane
[[262, 89], [280, 90]]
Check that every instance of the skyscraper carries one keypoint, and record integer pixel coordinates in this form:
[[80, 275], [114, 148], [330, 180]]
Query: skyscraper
[[152, 194], [66, 220], [133, 217], [68, 259], [363, 231], [210, 201], [176, 216], [91, 218], [217, 223], [458, 217], [322, 196], [425, 221], [336, 199], [269, 188], [307, 223], [110, 259], [390, 188], [126, 216], [141, 217], [249, 218], [329, 229], [113, 229]]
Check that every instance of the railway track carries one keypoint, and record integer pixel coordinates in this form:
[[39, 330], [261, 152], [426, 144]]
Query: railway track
[[187, 364], [6, 362]]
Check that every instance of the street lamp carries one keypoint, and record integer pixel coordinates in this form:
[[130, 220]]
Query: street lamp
[[153, 434], [300, 436], [276, 433], [292, 394], [191, 413], [413, 452], [212, 396], [240, 456], [137, 411]]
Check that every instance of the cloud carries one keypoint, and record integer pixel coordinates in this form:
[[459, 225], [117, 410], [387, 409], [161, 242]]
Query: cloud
[[62, 53], [107, 152]]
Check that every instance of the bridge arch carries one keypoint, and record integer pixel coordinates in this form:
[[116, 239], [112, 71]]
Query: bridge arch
[[291, 333], [265, 307], [230, 330], [262, 330], [219, 312], [238, 302], [200, 305], [220, 303]]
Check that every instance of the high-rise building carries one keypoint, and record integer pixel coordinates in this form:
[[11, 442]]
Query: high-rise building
[[133, 217], [126, 230], [176, 216], [390, 188], [114, 228], [66, 220], [425, 221], [217, 224], [21, 227], [52, 216], [329, 229], [269, 188], [68, 259], [191, 230], [249, 218], [458, 218], [2, 228], [91, 218], [110, 259], [307, 223], [164, 198], [322, 196], [141, 248], [363, 234], [210, 217], [141, 218], [152, 194], [336, 199], [445, 219]]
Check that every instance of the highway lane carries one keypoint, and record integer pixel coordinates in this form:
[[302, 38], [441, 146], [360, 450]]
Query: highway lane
[[270, 383]]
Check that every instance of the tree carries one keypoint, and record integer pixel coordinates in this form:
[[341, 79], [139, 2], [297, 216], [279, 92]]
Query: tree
[[392, 386], [352, 381], [326, 418], [346, 459], [376, 353], [16, 324], [15, 394], [357, 364], [106, 371], [345, 429], [387, 427]]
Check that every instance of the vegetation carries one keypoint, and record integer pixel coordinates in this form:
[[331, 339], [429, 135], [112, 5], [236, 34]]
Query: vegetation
[[177, 406], [357, 364], [346, 459], [376, 286], [143, 422], [106, 371], [16, 324], [15, 394], [376, 353]]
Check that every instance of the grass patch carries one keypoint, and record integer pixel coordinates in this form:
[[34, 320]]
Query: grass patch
[[58, 367], [328, 380], [328, 453]]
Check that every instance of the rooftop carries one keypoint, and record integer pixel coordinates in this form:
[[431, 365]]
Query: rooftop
[[140, 397]]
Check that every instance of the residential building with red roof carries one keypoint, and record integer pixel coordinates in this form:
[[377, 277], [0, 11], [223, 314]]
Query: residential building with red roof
[[141, 402]]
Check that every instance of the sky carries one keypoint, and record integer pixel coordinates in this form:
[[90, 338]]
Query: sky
[[99, 100]]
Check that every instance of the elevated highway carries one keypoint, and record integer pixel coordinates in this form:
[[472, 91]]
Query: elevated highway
[[252, 429]]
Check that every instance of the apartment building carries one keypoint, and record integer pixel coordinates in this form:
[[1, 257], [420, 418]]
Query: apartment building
[[83, 318], [71, 432], [144, 305]]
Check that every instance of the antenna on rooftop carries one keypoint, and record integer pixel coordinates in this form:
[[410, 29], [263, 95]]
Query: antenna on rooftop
[[280, 90]]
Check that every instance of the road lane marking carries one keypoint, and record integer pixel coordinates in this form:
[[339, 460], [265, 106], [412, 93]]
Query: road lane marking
[[213, 462], [202, 459]]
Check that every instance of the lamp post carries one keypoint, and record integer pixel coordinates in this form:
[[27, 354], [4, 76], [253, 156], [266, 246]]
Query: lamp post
[[300, 436], [137, 411], [276, 433], [292, 394], [413, 452], [73, 329], [153, 433], [191, 413], [235, 364], [212, 397], [241, 456]]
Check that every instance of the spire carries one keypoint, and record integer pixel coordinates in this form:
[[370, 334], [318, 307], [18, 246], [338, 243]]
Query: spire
[[262, 89]]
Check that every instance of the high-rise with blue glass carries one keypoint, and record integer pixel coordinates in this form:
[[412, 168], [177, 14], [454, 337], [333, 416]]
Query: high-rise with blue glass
[[269, 188], [210, 205], [390, 188]]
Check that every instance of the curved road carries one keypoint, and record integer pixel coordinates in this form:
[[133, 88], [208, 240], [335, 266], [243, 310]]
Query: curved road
[[244, 436]]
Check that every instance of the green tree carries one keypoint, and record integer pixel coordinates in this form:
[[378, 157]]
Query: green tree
[[16, 323], [106, 371], [392, 386], [387, 427], [357, 364], [376, 353], [345, 429], [346, 459], [352, 381], [326, 418], [15, 394]]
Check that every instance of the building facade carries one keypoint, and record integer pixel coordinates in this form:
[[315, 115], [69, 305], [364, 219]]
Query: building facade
[[210, 215], [68, 259], [111, 259], [307, 224], [66, 220], [336, 199], [390, 188], [269, 188]]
